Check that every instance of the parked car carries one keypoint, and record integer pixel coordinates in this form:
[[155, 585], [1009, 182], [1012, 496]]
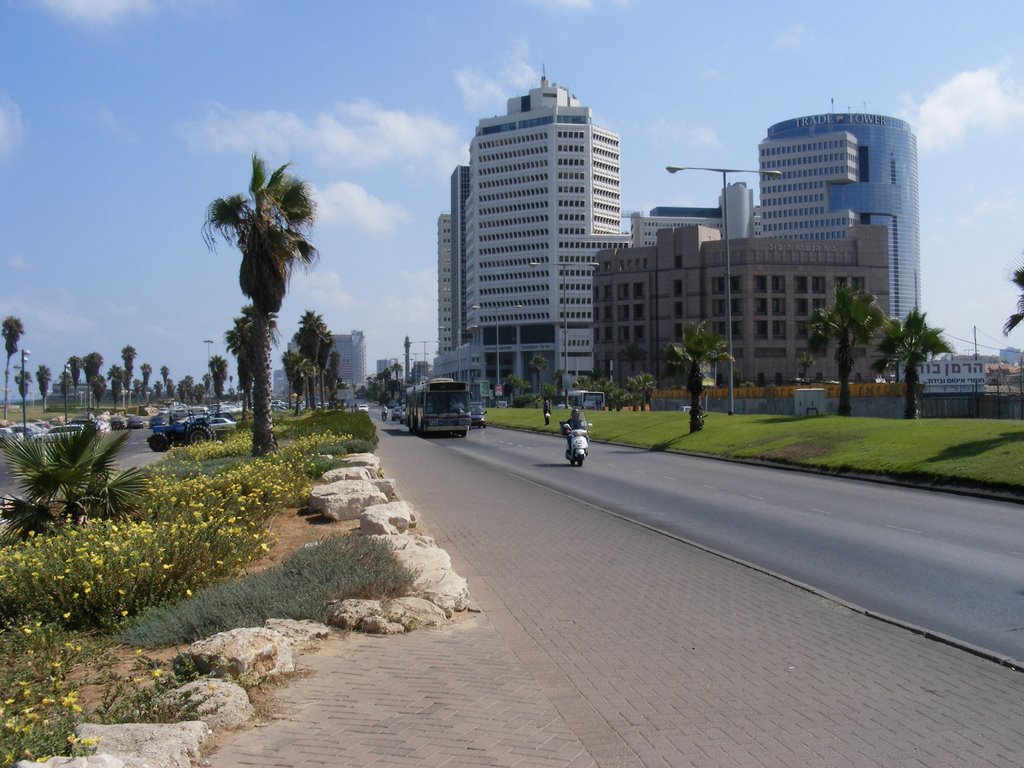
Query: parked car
[[221, 423], [477, 416], [6, 433], [158, 420], [118, 422], [136, 422], [398, 413], [63, 431], [31, 431]]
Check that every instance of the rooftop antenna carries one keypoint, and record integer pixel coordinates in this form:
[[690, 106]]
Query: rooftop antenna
[[833, 104]]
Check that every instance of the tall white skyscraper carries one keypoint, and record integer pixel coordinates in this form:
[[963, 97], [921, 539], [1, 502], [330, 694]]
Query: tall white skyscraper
[[445, 325], [544, 198]]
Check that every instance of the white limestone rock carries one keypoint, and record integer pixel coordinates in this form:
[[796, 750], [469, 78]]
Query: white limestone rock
[[345, 499], [389, 519], [251, 650]]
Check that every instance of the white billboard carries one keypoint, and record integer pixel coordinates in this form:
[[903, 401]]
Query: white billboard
[[952, 376]]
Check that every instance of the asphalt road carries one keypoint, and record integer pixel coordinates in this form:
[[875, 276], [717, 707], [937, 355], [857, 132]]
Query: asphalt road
[[949, 564]]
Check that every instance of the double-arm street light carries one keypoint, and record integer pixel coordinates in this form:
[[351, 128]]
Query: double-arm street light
[[65, 381], [728, 264]]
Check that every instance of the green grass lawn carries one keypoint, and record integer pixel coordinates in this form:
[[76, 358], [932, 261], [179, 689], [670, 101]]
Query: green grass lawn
[[968, 451]]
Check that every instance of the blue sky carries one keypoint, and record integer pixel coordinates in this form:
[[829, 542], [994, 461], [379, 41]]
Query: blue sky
[[120, 120]]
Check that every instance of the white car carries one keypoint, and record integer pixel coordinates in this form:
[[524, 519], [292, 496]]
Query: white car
[[63, 430], [221, 423], [363, 408]]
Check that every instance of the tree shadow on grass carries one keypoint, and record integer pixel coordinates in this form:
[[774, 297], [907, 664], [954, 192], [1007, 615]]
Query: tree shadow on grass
[[977, 447]]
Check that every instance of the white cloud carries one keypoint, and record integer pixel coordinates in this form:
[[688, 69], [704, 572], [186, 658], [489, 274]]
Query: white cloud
[[97, 12], [517, 73], [986, 209], [685, 133], [349, 204], [324, 290], [18, 263], [794, 37], [983, 99], [358, 133], [12, 129]]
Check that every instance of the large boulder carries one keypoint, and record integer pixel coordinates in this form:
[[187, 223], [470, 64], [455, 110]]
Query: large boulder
[[252, 650], [437, 581], [387, 618], [221, 704], [389, 519], [345, 499], [363, 460], [150, 745], [349, 473]]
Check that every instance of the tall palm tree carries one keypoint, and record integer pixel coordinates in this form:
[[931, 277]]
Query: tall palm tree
[[92, 363], [239, 343], [165, 377], [269, 228], [12, 332], [537, 364], [75, 364], [43, 379], [851, 322], [1012, 321], [697, 352], [128, 355], [313, 339], [218, 374], [116, 375], [98, 388], [147, 372], [909, 343]]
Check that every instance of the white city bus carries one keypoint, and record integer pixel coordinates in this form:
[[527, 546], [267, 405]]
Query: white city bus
[[586, 400], [438, 406]]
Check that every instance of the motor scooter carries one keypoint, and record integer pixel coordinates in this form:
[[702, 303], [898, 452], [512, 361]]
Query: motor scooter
[[578, 445]]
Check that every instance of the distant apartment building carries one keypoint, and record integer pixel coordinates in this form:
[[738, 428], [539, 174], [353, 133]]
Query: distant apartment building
[[351, 349], [445, 328], [543, 199], [840, 169], [644, 228], [644, 296]]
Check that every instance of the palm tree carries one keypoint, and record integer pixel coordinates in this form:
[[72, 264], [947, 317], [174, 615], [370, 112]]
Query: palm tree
[[165, 377], [219, 374], [239, 343], [314, 343], [43, 379], [642, 385], [537, 364], [269, 228], [91, 365], [75, 364], [147, 372], [12, 332], [1011, 322], [67, 481], [909, 343], [98, 388], [116, 375], [698, 351], [851, 322], [806, 361], [128, 355]]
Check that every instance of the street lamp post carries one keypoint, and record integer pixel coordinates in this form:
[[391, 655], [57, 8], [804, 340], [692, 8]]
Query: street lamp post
[[209, 398], [65, 382], [565, 315], [23, 386], [728, 264]]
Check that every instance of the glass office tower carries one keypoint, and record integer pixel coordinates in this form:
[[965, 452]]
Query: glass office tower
[[842, 169]]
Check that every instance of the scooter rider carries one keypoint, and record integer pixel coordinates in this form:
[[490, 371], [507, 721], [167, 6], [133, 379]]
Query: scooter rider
[[575, 421]]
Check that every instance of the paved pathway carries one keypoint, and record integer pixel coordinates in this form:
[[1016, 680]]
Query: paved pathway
[[604, 644]]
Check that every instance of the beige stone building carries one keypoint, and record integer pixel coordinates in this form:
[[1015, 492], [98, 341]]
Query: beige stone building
[[644, 296]]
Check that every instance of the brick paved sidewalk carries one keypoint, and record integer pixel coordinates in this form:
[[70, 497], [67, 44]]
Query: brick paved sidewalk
[[603, 643]]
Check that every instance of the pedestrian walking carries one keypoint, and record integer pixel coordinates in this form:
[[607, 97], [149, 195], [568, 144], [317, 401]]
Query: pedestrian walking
[[547, 411]]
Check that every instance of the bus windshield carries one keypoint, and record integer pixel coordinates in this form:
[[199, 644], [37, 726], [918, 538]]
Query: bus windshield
[[445, 403]]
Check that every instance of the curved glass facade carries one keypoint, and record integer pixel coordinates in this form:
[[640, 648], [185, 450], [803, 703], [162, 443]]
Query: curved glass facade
[[843, 169]]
